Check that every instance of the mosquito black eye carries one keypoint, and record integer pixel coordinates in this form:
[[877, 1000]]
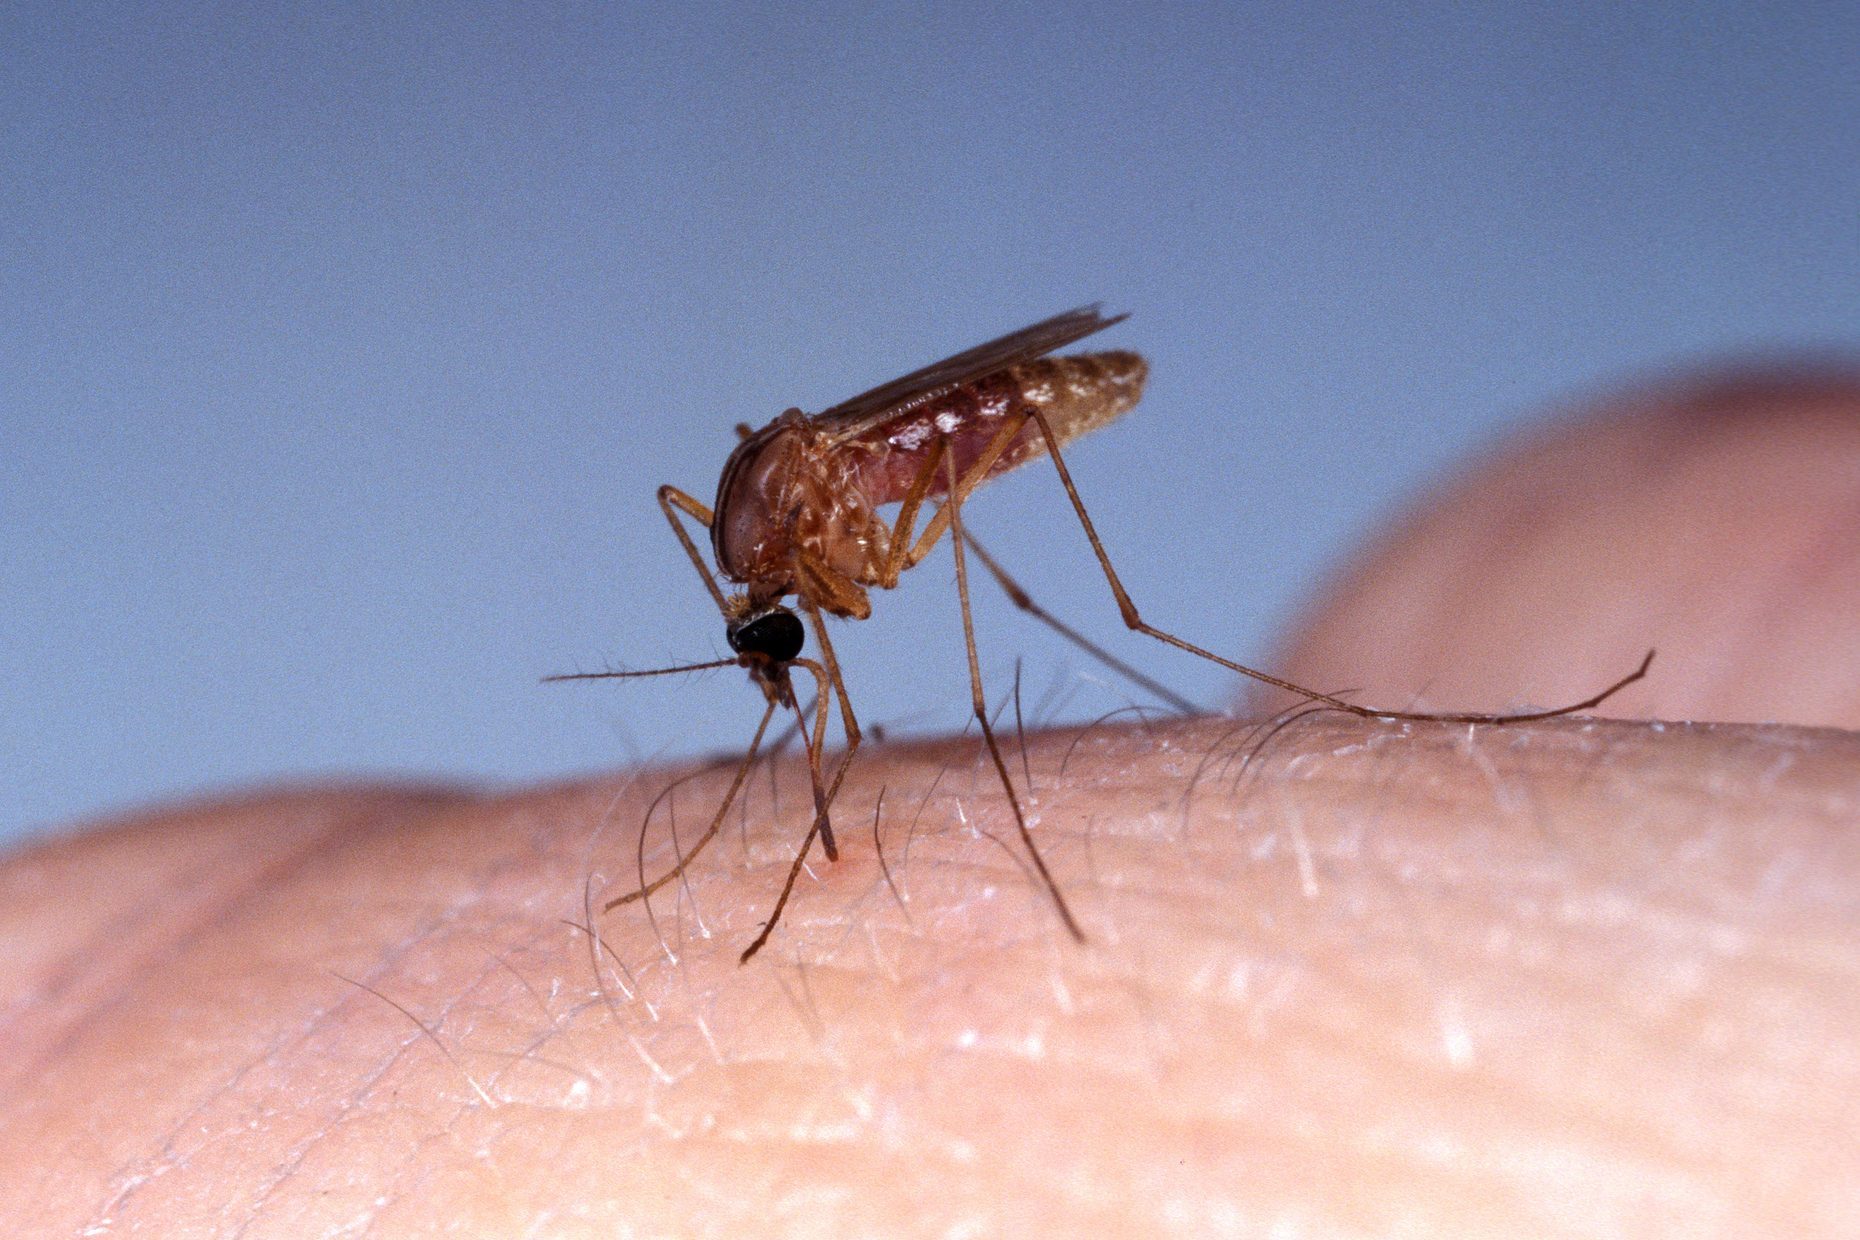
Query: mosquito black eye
[[775, 634]]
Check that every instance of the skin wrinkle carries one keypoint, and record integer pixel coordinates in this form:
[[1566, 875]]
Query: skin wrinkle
[[118, 931], [552, 1031], [1670, 513], [1314, 779], [285, 1169], [422, 935], [218, 914], [171, 1160]]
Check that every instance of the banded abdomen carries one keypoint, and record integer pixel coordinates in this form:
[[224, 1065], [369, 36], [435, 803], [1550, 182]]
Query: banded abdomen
[[1078, 394]]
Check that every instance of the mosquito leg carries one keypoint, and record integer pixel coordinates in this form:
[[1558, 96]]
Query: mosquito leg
[[781, 901], [672, 501], [1011, 426], [848, 722], [816, 744], [898, 558], [830, 687], [898, 544], [822, 800], [710, 832], [979, 702], [1135, 621], [1021, 599]]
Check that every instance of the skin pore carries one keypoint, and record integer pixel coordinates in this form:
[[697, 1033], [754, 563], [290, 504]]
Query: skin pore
[[1569, 978]]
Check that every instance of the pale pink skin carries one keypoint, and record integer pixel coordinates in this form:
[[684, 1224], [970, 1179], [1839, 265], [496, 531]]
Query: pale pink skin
[[1566, 978], [1720, 523]]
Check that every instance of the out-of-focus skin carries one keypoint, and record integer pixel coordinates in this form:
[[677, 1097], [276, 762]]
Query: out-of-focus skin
[[1716, 519], [1571, 978]]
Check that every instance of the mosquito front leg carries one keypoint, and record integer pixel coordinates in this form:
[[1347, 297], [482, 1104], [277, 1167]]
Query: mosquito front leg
[[848, 722], [1134, 620], [821, 803], [977, 699], [816, 744], [781, 901], [672, 501]]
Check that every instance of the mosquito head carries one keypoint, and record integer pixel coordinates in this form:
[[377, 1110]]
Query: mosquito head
[[774, 632]]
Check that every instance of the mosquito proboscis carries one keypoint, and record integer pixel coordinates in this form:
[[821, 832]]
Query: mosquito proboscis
[[797, 517]]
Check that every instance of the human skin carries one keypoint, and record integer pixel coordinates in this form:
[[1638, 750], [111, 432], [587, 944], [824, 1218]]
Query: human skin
[[1346, 978]]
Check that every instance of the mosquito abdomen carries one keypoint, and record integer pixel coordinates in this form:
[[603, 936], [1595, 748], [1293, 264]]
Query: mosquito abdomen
[[1077, 395]]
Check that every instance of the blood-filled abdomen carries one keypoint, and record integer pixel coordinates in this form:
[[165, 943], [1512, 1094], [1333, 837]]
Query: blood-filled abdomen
[[1077, 394]]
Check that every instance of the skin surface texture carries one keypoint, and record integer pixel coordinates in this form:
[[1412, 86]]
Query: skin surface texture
[[1573, 978]]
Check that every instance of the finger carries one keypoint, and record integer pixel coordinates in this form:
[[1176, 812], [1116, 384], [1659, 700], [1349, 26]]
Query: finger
[[1380, 943], [1716, 520]]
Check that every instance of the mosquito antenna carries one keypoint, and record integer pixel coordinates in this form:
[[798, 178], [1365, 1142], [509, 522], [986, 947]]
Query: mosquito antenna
[[654, 671]]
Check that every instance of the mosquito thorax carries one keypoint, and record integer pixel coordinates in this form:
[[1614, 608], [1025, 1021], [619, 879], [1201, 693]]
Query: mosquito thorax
[[776, 634]]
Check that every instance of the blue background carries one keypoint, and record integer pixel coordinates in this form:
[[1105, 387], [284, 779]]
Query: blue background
[[340, 354]]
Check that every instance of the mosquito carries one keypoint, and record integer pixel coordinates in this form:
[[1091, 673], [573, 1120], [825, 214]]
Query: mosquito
[[797, 518]]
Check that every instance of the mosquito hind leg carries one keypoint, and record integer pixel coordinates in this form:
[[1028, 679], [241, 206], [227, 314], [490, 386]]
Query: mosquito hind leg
[[1021, 599], [1134, 620]]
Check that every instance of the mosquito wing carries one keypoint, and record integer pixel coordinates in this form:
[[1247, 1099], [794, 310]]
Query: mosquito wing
[[851, 418]]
